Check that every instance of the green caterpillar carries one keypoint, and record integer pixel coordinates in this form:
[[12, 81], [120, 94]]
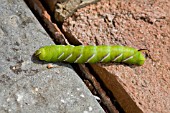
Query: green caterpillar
[[90, 54]]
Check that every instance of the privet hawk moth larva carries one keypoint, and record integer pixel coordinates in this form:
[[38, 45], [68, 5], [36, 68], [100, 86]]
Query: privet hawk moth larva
[[90, 54]]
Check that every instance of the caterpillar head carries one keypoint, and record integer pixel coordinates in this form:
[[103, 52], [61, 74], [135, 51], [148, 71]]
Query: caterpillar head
[[45, 53], [40, 54]]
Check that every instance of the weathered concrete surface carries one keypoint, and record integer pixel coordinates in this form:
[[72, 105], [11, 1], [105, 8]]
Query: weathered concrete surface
[[141, 24], [26, 85]]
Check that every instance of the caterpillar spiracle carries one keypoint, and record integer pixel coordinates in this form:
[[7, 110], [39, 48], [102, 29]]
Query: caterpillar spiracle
[[90, 54]]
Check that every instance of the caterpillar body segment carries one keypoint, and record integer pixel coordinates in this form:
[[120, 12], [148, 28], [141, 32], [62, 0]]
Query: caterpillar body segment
[[90, 54]]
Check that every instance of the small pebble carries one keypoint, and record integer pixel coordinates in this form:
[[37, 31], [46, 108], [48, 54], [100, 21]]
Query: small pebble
[[49, 66]]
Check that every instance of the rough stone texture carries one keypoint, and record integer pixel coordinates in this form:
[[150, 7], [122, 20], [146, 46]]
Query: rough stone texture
[[26, 85], [64, 8], [140, 24]]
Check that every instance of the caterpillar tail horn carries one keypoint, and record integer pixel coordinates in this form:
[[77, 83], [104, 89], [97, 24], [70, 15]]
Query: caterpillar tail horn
[[143, 50]]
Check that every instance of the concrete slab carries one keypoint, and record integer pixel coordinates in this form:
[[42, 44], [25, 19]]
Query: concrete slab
[[26, 85]]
